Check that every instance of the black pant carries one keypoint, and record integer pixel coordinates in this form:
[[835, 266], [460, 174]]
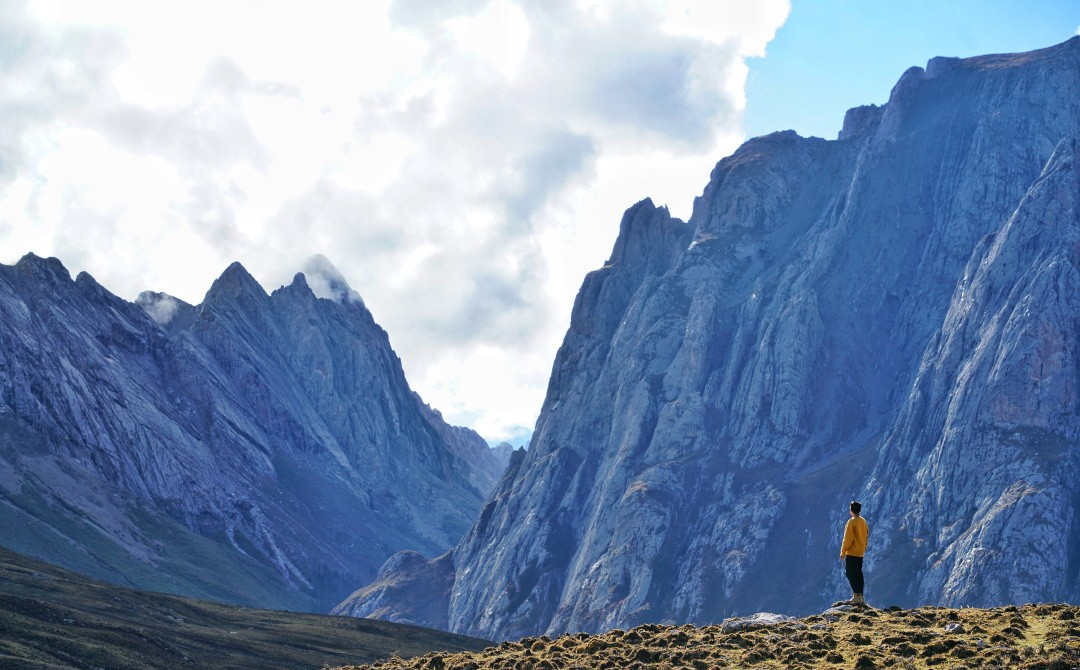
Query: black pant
[[853, 568]]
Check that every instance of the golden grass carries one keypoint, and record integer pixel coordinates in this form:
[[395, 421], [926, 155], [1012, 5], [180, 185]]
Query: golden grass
[[1032, 637]]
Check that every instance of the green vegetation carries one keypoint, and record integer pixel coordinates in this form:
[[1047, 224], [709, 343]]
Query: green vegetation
[[52, 618], [180, 561]]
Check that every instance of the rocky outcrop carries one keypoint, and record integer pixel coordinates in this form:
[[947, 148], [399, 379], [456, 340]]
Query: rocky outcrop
[[260, 449], [408, 589], [887, 316]]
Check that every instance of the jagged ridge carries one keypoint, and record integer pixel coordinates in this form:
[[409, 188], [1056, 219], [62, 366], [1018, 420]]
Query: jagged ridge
[[260, 449]]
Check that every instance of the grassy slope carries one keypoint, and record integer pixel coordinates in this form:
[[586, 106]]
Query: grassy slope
[[37, 527], [52, 618], [1032, 637], [43, 513]]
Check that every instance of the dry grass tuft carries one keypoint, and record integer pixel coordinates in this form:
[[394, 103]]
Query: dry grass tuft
[[1032, 637]]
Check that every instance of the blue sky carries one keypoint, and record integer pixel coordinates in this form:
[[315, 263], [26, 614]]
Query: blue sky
[[831, 55], [463, 163]]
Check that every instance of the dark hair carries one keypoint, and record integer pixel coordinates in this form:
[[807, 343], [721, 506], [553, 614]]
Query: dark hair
[[856, 507]]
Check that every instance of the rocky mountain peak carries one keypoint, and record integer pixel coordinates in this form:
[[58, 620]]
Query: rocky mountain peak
[[649, 237], [888, 316], [234, 284], [300, 283]]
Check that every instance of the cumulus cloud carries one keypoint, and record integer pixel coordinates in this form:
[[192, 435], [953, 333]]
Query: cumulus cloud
[[423, 13], [209, 131], [46, 73], [629, 82], [463, 162]]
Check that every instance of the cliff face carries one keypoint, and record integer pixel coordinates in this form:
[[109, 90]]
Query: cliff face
[[888, 316], [260, 449], [986, 439]]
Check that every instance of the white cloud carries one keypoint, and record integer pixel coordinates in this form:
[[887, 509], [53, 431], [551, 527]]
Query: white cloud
[[326, 281], [497, 34], [160, 306], [464, 163]]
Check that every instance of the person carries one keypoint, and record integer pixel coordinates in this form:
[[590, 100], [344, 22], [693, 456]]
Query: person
[[852, 550]]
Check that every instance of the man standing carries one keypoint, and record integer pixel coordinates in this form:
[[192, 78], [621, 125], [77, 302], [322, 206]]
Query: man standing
[[852, 550]]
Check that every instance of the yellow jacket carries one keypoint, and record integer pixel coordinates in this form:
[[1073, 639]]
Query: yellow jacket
[[855, 534]]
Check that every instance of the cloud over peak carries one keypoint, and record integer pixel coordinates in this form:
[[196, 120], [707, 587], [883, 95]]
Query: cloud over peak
[[326, 281], [464, 162]]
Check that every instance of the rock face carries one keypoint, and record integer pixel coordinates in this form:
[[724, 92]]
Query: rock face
[[890, 316], [259, 449]]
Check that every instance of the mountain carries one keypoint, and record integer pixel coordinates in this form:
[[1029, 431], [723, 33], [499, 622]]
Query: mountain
[[56, 619], [890, 316], [256, 449]]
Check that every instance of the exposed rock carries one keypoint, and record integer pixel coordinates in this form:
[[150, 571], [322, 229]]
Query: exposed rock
[[260, 449], [888, 316], [754, 621], [985, 442], [408, 589]]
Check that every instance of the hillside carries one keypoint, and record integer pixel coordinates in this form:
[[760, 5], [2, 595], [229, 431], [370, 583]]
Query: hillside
[[259, 449], [56, 619], [1033, 637]]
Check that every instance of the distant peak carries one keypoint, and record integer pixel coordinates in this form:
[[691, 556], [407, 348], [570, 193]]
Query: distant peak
[[235, 269], [326, 281], [300, 281], [235, 281], [31, 262]]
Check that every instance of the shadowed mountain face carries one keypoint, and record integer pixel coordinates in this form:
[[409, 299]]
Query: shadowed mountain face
[[890, 316], [257, 449]]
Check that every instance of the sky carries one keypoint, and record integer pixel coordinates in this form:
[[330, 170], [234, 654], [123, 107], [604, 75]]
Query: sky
[[461, 163], [832, 55]]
